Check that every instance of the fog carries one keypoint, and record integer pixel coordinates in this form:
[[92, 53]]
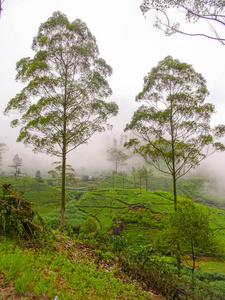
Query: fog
[[131, 45]]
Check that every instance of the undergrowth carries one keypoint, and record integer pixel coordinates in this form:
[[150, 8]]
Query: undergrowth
[[51, 272]]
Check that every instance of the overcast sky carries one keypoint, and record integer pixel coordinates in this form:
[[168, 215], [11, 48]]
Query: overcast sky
[[127, 41]]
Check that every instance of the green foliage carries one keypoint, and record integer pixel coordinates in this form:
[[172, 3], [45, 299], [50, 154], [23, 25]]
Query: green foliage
[[18, 218], [88, 228], [130, 217], [117, 243], [74, 218], [174, 121], [48, 273], [66, 82], [188, 231], [44, 197], [38, 176]]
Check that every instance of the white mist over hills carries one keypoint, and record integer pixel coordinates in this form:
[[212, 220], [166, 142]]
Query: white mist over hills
[[131, 45]]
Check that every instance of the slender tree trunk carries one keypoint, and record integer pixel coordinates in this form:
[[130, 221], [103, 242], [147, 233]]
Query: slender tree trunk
[[63, 203], [178, 259], [193, 260], [175, 191], [173, 161]]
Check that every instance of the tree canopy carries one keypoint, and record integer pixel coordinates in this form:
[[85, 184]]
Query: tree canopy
[[172, 128], [211, 13], [63, 104]]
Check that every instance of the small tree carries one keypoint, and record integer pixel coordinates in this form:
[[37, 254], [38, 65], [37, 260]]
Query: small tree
[[63, 104], [134, 174], [17, 162], [116, 155], [89, 228], [189, 229], [173, 128], [210, 12], [3, 148], [38, 176], [143, 174]]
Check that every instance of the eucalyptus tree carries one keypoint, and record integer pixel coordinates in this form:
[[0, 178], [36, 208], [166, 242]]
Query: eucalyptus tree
[[63, 103], [172, 128], [210, 12]]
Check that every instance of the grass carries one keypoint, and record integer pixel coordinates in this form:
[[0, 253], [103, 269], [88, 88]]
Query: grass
[[49, 273], [139, 211]]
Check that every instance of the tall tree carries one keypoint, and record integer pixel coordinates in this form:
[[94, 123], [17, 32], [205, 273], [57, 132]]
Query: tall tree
[[67, 78], [172, 129], [116, 155], [211, 12], [17, 162]]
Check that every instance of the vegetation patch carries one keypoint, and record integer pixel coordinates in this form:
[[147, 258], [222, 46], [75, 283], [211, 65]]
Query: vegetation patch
[[64, 273], [18, 218]]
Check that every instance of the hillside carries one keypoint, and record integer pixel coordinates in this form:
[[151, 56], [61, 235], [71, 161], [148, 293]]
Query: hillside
[[66, 269], [122, 226]]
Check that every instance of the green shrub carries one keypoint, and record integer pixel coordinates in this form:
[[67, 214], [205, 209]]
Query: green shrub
[[18, 218], [89, 228], [130, 217], [117, 243]]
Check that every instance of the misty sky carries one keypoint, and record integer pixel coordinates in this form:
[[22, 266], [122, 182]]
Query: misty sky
[[130, 45]]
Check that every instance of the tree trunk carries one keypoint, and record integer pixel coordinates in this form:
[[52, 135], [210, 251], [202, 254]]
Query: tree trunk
[[63, 201], [173, 161], [178, 259], [175, 191], [193, 260]]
